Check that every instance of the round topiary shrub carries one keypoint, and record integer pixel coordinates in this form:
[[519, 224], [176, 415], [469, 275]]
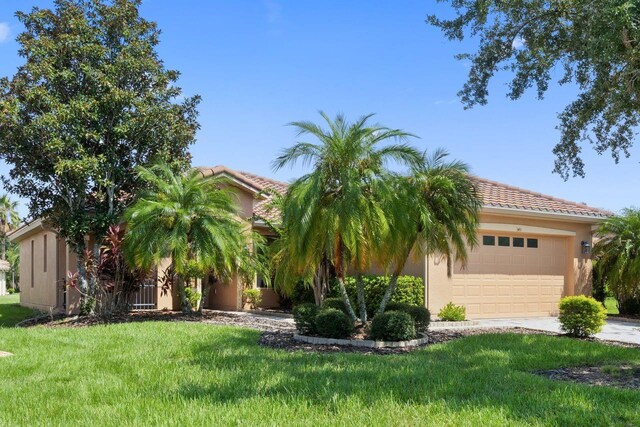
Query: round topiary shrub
[[333, 323], [581, 316], [421, 316], [393, 326], [304, 316], [336, 303]]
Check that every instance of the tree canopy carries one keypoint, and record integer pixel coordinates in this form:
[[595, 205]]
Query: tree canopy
[[336, 212], [91, 102], [593, 44]]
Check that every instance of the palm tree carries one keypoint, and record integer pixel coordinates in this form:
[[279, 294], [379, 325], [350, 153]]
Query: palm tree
[[434, 211], [617, 252], [191, 219], [336, 212], [9, 219]]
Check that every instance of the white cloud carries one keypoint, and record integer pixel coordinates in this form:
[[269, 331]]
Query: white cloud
[[517, 43], [4, 32]]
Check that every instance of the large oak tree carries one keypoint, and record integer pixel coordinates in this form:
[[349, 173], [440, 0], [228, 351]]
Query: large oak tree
[[91, 102], [592, 43]]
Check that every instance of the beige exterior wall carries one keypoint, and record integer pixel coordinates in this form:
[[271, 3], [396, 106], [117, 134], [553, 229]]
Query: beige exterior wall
[[515, 282], [39, 270]]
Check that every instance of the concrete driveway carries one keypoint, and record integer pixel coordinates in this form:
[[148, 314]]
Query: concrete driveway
[[614, 330]]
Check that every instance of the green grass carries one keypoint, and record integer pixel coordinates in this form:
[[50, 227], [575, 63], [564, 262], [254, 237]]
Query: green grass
[[177, 373], [611, 305], [11, 312]]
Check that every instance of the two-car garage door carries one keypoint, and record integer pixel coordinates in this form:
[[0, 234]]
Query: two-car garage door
[[512, 276]]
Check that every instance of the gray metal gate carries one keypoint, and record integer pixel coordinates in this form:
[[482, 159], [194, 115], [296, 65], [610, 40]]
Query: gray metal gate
[[145, 298]]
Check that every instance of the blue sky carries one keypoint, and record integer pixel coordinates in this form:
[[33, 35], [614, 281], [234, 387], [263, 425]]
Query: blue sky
[[259, 64]]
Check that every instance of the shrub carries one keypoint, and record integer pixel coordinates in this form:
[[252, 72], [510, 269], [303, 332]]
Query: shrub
[[304, 316], [335, 303], [629, 306], [393, 326], [253, 297], [397, 306], [420, 315], [452, 313], [11, 291], [192, 296], [409, 290], [581, 316], [333, 323]]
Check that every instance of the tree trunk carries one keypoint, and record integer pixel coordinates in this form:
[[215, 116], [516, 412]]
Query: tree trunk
[[345, 298], [362, 303], [393, 281], [4, 242], [206, 286], [186, 306], [82, 278]]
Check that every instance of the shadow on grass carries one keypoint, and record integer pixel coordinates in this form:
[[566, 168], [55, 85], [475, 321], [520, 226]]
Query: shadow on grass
[[11, 312], [480, 372]]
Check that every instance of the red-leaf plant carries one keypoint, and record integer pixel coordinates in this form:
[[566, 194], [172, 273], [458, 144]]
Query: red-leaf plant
[[111, 282]]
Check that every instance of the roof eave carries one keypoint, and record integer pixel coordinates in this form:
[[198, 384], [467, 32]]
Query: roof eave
[[530, 213], [26, 230]]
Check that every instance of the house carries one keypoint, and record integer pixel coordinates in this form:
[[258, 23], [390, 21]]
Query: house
[[533, 249]]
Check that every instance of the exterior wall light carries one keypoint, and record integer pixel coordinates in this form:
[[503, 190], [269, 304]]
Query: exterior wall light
[[586, 247]]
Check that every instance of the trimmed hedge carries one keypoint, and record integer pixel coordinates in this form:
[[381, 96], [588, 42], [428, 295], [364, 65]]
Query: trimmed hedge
[[304, 316], [581, 316], [409, 290], [393, 326], [333, 323]]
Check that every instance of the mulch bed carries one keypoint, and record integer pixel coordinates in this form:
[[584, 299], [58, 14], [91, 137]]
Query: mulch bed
[[214, 317], [624, 376], [284, 341]]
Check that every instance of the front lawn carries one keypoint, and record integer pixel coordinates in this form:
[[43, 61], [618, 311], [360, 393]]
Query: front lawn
[[11, 312], [197, 374]]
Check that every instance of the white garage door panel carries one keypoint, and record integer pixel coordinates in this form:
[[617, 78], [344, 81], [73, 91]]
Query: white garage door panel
[[512, 282]]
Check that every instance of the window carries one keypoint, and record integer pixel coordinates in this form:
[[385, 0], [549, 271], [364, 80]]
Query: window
[[503, 241], [44, 258], [32, 272], [262, 283], [489, 240], [518, 242], [532, 243]]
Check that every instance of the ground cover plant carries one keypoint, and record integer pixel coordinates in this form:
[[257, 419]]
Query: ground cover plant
[[190, 373], [11, 312]]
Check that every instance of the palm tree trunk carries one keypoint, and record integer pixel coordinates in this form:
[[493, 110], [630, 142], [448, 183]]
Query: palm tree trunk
[[393, 281], [345, 298], [206, 286], [362, 304], [186, 306]]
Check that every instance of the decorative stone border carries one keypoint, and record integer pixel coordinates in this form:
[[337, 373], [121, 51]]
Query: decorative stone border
[[361, 343], [446, 325]]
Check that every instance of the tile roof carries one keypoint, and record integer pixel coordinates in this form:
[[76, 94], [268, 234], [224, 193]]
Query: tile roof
[[261, 207], [500, 195], [493, 194]]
